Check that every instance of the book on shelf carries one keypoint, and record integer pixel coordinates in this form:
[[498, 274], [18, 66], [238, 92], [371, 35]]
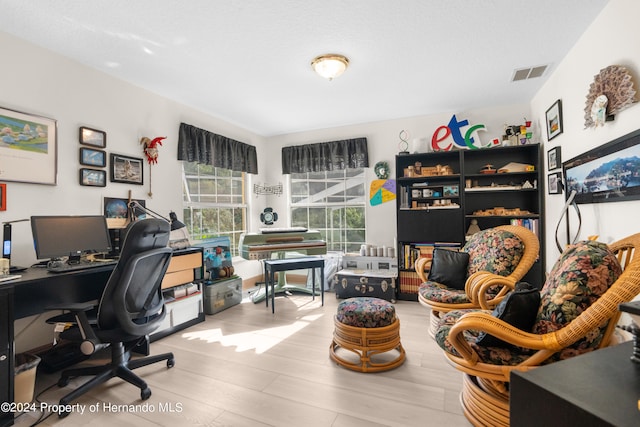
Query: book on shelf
[[530, 223], [409, 282], [411, 252]]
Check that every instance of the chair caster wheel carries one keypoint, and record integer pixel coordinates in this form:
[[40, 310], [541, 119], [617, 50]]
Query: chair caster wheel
[[145, 394], [63, 382], [171, 363]]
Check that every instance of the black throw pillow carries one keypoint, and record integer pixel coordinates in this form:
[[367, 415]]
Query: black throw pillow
[[519, 308], [449, 268]]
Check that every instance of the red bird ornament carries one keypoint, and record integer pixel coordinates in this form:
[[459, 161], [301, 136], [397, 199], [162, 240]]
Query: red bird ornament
[[151, 148]]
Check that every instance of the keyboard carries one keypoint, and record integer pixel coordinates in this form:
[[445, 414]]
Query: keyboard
[[63, 267], [283, 230]]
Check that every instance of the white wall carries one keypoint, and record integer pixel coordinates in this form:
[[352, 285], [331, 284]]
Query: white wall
[[612, 39], [383, 139]]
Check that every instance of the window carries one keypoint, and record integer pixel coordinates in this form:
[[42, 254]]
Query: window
[[214, 202], [333, 203]]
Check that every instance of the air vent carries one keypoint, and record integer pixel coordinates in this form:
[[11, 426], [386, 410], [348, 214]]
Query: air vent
[[528, 73]]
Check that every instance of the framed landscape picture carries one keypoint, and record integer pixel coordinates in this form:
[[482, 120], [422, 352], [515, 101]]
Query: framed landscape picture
[[554, 120], [28, 148], [93, 177], [91, 157], [93, 137]]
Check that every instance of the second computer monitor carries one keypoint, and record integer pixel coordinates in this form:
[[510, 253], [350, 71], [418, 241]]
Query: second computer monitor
[[69, 236]]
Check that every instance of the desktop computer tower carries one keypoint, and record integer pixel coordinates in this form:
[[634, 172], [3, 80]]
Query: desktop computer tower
[[114, 236]]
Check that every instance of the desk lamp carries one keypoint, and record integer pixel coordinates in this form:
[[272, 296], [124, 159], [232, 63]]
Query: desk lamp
[[6, 244], [179, 238]]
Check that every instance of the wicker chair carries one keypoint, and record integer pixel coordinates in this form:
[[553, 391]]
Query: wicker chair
[[499, 258], [614, 279]]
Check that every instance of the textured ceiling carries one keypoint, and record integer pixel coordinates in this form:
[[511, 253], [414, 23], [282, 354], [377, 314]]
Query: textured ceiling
[[248, 61]]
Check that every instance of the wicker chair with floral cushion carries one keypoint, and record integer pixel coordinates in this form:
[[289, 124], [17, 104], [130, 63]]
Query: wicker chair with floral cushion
[[577, 313], [498, 258]]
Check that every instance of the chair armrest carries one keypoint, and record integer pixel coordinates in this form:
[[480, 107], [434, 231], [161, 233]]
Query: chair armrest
[[478, 285], [485, 322], [419, 267]]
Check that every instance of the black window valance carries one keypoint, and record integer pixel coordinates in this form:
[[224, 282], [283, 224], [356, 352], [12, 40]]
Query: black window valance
[[202, 146], [325, 156]]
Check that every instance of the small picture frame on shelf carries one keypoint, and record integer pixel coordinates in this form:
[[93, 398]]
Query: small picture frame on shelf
[[92, 137], [554, 120], [91, 157], [554, 183], [93, 177], [554, 159], [126, 169]]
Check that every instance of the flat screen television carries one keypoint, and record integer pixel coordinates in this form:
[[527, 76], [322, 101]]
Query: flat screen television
[[609, 173], [69, 236]]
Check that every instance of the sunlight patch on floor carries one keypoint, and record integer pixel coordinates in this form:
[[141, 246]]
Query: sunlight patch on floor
[[260, 340]]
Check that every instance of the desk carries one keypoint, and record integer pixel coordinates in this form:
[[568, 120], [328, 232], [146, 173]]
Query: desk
[[271, 266], [37, 289], [601, 388]]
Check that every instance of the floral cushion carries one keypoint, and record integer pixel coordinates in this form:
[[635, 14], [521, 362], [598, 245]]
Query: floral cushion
[[582, 274], [493, 250], [366, 312]]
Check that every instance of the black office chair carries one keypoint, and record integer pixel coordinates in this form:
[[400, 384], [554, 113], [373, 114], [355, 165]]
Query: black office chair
[[130, 308]]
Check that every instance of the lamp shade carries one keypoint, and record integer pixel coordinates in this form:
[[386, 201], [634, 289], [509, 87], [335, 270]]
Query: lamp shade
[[176, 224], [330, 65]]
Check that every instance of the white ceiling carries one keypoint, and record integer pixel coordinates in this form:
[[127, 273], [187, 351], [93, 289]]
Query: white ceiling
[[248, 61]]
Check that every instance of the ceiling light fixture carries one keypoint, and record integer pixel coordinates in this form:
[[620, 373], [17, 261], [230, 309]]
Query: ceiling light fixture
[[330, 65]]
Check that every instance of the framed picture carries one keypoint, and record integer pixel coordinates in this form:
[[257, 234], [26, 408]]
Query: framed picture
[[93, 177], [3, 197], [553, 158], [93, 137], [28, 148], [117, 212], [91, 157], [555, 183], [554, 120], [126, 169], [608, 173]]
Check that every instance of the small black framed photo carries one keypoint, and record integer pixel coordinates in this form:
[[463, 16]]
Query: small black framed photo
[[93, 137], [554, 159], [93, 177], [554, 120], [554, 183], [91, 157], [126, 169]]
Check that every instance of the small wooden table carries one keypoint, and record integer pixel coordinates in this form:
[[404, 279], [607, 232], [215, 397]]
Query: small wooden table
[[271, 266]]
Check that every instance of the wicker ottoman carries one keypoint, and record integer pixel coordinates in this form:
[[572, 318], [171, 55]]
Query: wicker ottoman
[[369, 328]]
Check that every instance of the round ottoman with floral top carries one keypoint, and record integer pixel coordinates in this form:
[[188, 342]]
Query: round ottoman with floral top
[[369, 329]]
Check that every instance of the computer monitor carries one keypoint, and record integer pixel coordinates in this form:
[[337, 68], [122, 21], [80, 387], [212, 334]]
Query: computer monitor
[[69, 236]]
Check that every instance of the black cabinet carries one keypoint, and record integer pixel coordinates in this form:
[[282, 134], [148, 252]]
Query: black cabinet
[[440, 194], [599, 388], [6, 353]]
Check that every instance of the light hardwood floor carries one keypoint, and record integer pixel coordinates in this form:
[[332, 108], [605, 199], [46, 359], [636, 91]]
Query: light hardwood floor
[[247, 367]]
